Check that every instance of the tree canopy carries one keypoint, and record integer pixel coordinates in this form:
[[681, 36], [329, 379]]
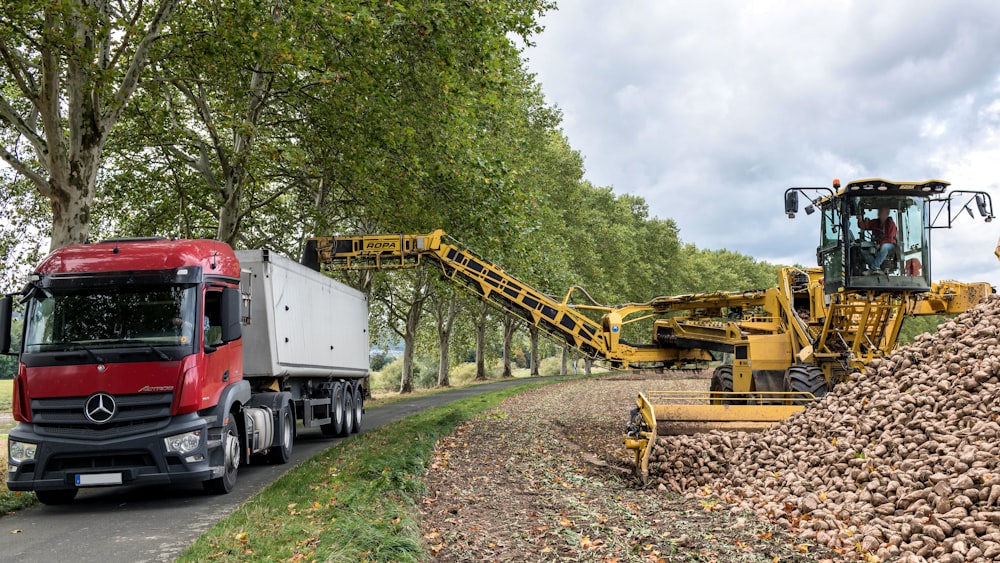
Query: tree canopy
[[263, 123]]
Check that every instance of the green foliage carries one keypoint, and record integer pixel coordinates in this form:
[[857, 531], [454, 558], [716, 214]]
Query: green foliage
[[912, 326], [550, 366], [379, 360]]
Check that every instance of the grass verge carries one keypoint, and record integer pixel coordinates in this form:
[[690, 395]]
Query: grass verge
[[354, 502], [9, 501]]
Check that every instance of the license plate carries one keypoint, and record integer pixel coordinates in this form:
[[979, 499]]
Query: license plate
[[95, 479]]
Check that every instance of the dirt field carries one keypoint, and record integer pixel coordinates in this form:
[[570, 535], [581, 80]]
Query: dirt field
[[544, 477]]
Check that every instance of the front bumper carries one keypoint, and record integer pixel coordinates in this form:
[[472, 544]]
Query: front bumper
[[139, 459]]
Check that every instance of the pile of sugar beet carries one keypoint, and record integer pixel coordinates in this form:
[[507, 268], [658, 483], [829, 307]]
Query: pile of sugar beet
[[900, 463]]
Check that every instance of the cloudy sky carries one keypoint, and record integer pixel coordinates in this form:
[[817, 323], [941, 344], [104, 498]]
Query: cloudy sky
[[709, 110]]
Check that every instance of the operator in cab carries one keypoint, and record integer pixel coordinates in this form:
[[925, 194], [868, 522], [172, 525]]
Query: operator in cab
[[883, 231]]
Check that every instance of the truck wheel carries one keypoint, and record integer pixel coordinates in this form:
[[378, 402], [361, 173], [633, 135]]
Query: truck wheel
[[282, 452], [58, 496], [348, 428], [231, 460], [359, 406], [336, 426], [805, 378]]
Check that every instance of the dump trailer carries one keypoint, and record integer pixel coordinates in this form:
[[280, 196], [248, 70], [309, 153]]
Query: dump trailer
[[784, 346], [154, 361]]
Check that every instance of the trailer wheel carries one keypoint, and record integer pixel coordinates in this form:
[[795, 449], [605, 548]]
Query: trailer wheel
[[231, 459], [359, 406], [336, 425], [348, 428], [282, 452], [56, 497], [805, 378]]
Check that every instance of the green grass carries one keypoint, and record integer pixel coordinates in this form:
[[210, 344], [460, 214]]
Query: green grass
[[354, 502], [6, 394], [9, 501]]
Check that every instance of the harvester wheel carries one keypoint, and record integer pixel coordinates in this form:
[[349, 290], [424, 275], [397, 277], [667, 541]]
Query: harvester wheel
[[805, 378], [722, 382]]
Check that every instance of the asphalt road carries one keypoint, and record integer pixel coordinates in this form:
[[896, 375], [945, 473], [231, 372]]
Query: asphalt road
[[158, 523]]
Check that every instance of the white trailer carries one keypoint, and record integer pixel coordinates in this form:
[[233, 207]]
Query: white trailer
[[305, 334]]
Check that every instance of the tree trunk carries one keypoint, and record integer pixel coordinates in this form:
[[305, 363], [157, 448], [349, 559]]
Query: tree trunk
[[410, 336], [68, 122], [406, 377], [71, 212], [565, 360], [535, 360], [481, 342], [509, 329], [445, 321], [588, 363]]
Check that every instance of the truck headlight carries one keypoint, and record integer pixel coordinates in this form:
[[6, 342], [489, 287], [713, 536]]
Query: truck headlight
[[19, 452], [183, 443]]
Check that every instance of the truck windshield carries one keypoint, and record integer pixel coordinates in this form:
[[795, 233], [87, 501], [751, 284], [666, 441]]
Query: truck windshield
[[110, 318]]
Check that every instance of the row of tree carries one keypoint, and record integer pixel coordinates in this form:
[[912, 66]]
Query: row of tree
[[261, 123]]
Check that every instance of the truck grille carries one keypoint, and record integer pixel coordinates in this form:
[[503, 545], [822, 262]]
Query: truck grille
[[64, 417]]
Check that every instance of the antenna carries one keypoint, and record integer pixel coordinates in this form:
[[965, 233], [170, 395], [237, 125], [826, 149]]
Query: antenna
[[215, 254]]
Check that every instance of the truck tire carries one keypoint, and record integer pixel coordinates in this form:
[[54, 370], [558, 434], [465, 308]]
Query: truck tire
[[348, 427], [231, 451], [359, 406], [336, 425], [56, 497], [805, 378], [284, 433]]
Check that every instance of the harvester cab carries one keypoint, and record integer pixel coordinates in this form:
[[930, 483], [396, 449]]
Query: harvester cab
[[875, 234]]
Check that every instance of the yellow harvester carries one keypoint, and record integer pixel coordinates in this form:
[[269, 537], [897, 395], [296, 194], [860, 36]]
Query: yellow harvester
[[781, 347]]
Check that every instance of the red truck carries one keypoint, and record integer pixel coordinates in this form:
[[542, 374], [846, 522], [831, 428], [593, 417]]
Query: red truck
[[155, 361]]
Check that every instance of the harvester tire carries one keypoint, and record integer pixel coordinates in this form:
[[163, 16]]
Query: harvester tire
[[805, 378], [722, 381]]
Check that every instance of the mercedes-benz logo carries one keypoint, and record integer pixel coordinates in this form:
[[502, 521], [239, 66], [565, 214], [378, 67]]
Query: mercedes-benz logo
[[99, 408]]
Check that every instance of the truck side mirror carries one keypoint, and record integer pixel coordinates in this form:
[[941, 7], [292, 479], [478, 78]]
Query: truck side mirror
[[6, 306], [232, 329], [791, 203]]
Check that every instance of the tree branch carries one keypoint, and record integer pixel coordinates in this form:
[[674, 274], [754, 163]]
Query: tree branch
[[9, 115], [131, 80], [21, 168]]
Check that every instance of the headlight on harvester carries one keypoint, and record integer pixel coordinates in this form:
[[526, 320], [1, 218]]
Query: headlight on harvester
[[183, 443], [18, 452]]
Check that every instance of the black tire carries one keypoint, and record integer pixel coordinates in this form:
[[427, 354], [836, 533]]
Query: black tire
[[722, 381], [285, 434], [805, 378], [348, 395], [231, 455], [359, 406], [56, 497], [336, 425]]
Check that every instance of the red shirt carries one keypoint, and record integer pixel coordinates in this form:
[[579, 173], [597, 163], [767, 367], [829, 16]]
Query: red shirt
[[883, 233]]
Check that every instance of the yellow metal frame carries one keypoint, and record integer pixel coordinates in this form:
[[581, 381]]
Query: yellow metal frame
[[791, 323]]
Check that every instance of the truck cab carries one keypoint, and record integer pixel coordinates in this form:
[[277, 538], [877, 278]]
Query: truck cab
[[130, 362]]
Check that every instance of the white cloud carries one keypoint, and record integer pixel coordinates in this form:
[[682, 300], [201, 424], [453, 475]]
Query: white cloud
[[710, 110]]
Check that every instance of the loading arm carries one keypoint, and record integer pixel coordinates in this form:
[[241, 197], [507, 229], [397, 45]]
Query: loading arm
[[489, 281]]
